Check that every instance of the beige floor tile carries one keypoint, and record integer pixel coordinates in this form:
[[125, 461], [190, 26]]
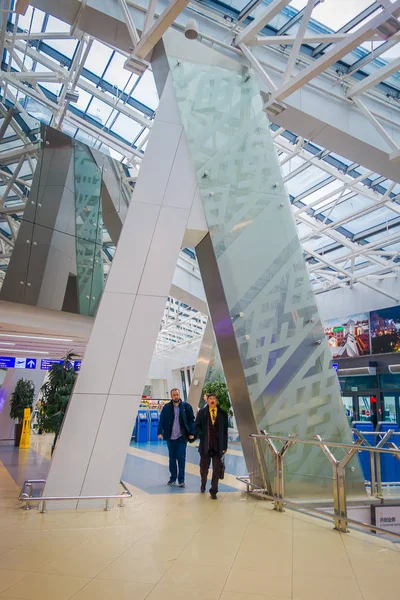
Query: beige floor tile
[[25, 560], [193, 576], [77, 563], [140, 571], [374, 587], [260, 583], [326, 587], [166, 591], [257, 559], [153, 551], [239, 596], [202, 555], [9, 578], [60, 541], [101, 589], [41, 586], [12, 538], [112, 541]]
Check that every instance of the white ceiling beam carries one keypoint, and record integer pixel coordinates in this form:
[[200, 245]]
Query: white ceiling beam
[[299, 39], [105, 137], [46, 35], [375, 78], [337, 52], [159, 27], [317, 38], [123, 108], [259, 69], [129, 23], [350, 277], [260, 21], [148, 22], [32, 76], [381, 130]]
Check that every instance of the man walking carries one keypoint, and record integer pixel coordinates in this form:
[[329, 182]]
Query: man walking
[[176, 427], [211, 427]]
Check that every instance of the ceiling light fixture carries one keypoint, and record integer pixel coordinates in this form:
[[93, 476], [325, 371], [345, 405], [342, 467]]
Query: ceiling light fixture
[[33, 352], [35, 337]]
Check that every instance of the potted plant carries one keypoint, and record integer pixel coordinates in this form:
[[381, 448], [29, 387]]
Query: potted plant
[[22, 397], [56, 393], [220, 389]]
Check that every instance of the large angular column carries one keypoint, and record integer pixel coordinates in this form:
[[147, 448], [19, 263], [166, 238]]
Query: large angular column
[[210, 153], [275, 357], [44, 254], [101, 413]]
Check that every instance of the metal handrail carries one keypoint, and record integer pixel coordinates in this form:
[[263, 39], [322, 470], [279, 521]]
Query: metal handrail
[[339, 517], [28, 498]]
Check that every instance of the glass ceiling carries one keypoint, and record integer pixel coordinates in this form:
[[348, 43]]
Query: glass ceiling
[[348, 218]]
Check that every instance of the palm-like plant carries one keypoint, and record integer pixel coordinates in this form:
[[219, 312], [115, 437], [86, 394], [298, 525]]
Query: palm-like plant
[[56, 393]]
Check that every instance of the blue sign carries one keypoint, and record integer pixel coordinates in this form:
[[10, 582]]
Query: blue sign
[[47, 363], [77, 365], [336, 367], [7, 362], [30, 363]]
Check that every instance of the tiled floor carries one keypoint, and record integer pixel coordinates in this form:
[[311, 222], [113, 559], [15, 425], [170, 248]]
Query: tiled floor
[[175, 546]]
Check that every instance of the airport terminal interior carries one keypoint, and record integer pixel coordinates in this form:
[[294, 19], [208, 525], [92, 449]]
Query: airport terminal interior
[[200, 203]]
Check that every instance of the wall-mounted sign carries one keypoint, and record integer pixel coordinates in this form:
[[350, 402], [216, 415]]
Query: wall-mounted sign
[[7, 362], [386, 517], [47, 363], [25, 363], [336, 367]]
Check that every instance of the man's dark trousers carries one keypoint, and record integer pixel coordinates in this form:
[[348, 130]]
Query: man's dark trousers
[[205, 460], [177, 454]]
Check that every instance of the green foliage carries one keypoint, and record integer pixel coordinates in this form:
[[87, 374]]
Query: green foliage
[[220, 389], [56, 393], [22, 397]]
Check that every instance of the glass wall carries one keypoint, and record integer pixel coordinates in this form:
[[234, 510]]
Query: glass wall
[[60, 223]]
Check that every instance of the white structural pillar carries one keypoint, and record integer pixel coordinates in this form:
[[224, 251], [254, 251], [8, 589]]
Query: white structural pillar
[[101, 414]]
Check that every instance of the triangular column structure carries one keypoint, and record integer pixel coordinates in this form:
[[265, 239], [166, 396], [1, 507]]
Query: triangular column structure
[[210, 155]]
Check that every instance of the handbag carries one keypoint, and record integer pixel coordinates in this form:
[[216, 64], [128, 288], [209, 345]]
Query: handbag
[[222, 471]]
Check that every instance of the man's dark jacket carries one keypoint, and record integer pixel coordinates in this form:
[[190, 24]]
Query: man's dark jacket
[[186, 420], [201, 428]]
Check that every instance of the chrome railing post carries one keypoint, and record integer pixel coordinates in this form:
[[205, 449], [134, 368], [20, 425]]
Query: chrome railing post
[[341, 480], [334, 463], [277, 474], [44, 507], [278, 488], [386, 437], [260, 464]]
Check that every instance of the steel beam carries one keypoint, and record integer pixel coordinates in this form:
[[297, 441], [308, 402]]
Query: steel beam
[[335, 54], [159, 27], [375, 78], [260, 22]]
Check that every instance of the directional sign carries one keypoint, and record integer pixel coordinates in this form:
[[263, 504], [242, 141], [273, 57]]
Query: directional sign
[[7, 362], [20, 363], [77, 365], [47, 363], [335, 366], [30, 363]]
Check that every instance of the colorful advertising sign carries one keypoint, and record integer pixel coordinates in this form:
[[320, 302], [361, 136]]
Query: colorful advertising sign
[[349, 336], [385, 330]]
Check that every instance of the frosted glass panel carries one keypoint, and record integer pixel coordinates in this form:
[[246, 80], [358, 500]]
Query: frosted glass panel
[[283, 351]]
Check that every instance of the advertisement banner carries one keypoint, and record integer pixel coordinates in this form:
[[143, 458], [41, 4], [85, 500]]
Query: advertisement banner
[[348, 336]]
